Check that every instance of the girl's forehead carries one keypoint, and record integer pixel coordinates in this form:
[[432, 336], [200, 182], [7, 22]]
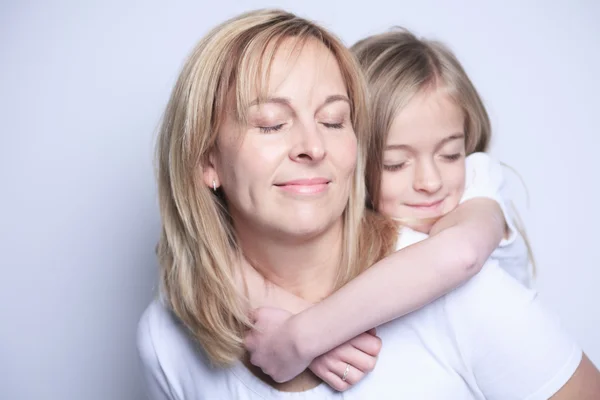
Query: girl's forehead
[[427, 115]]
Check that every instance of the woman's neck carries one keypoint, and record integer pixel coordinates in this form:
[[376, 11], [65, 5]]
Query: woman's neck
[[306, 268]]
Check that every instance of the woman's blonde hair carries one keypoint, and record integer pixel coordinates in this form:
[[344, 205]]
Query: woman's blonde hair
[[397, 66], [198, 248]]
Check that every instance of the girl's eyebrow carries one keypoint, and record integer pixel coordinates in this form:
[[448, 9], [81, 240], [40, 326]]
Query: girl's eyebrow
[[454, 136]]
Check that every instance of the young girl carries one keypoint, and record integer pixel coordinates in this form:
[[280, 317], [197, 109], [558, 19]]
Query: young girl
[[427, 170]]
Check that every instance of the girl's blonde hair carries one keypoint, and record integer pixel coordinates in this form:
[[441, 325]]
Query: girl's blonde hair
[[197, 250], [398, 66]]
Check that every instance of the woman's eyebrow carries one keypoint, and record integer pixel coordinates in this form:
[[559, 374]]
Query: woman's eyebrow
[[271, 100], [286, 101], [332, 99]]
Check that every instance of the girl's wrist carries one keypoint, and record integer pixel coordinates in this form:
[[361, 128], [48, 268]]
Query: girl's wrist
[[305, 346]]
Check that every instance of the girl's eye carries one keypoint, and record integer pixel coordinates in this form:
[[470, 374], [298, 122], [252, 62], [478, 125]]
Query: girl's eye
[[395, 167], [452, 157], [333, 126], [269, 129]]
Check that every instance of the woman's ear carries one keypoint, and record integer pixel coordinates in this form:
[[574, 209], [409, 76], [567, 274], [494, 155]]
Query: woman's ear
[[209, 172]]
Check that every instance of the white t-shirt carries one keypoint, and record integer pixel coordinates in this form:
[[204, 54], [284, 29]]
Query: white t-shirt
[[485, 178], [488, 339]]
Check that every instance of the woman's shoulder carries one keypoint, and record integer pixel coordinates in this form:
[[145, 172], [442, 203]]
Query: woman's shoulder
[[493, 298], [158, 325], [168, 354], [494, 287], [501, 328], [160, 333], [175, 366], [157, 329]]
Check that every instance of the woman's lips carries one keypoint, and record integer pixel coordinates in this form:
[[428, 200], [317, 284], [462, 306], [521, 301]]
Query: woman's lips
[[305, 186]]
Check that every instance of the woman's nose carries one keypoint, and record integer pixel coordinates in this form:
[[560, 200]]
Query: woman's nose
[[309, 145]]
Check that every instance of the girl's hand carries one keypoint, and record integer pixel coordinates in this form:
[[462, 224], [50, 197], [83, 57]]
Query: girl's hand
[[358, 356], [274, 347]]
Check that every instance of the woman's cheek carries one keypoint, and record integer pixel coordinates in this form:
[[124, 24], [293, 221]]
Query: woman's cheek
[[349, 151], [342, 151]]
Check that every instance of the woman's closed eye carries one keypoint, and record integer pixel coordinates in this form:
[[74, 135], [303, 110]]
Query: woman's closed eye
[[270, 129]]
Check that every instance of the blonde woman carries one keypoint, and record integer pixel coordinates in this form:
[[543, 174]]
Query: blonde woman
[[261, 159]]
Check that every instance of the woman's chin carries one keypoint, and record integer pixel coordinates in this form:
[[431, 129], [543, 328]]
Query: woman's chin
[[306, 228]]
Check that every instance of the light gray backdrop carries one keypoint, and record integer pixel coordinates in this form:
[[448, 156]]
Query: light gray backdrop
[[82, 87]]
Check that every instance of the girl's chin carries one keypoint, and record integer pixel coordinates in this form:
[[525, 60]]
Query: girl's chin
[[422, 225]]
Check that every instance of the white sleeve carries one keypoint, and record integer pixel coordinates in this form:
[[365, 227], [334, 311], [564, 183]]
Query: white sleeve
[[485, 178], [512, 346], [157, 385]]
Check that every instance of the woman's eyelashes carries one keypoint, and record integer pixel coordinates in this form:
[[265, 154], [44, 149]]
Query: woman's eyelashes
[[270, 129], [278, 127]]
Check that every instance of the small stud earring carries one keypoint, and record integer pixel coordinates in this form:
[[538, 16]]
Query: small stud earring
[[214, 186]]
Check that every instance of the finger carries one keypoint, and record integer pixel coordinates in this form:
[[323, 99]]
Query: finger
[[367, 343], [344, 375], [356, 358], [347, 354], [335, 381], [372, 331]]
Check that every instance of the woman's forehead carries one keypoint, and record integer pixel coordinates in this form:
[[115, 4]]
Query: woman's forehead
[[293, 69]]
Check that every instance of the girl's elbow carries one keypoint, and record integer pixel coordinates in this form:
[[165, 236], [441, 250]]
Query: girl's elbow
[[469, 259]]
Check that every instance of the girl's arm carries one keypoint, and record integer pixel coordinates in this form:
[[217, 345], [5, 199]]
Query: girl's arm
[[395, 286], [458, 246], [469, 234], [361, 352], [404, 281]]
